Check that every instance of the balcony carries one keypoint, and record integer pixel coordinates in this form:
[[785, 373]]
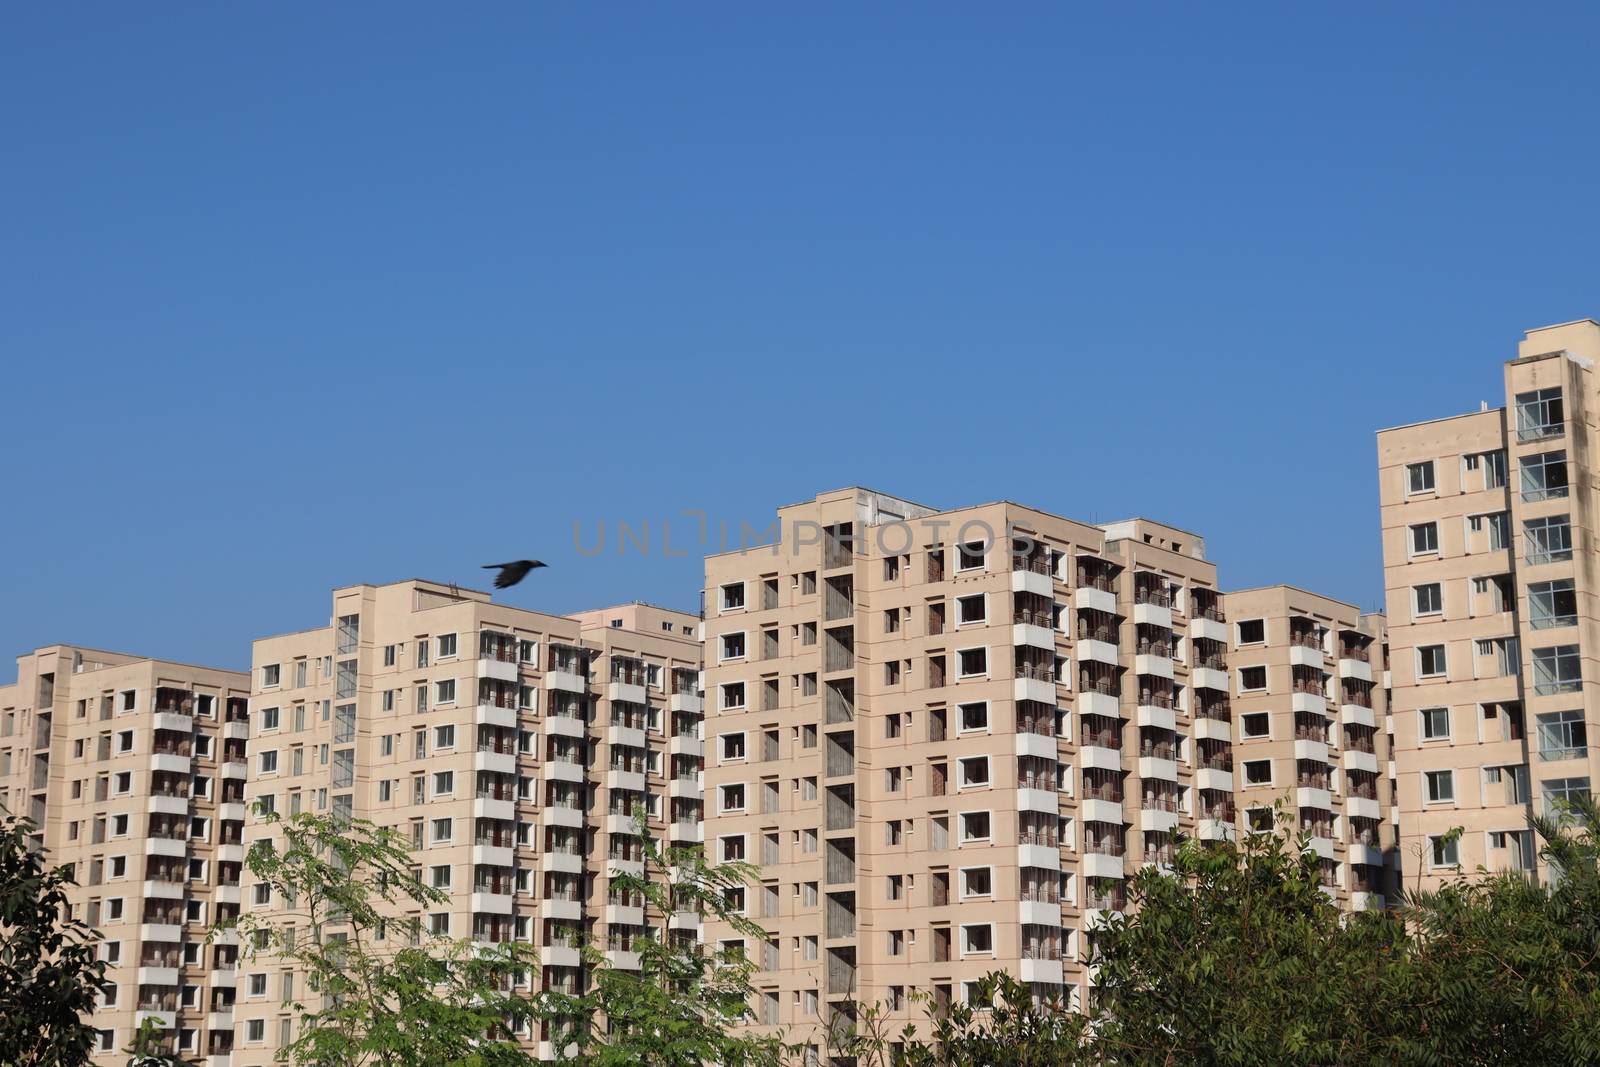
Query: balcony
[[560, 956], [629, 781], [1157, 767], [561, 863], [1158, 717], [1041, 857], [1032, 744], [498, 670], [558, 815], [1311, 749], [1101, 865], [492, 855], [1362, 808], [495, 761], [1032, 583], [1090, 598], [685, 789], [563, 768], [495, 715], [166, 846], [1209, 678], [1153, 665], [625, 692], [687, 832], [688, 702], [488, 808], [1101, 751], [1204, 629], [235, 769], [565, 681], [1092, 702], [1355, 759], [1311, 703], [1311, 796], [1153, 613], [1041, 971], [1092, 650], [491, 903]]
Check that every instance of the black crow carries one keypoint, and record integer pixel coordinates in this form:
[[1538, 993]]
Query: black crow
[[511, 573]]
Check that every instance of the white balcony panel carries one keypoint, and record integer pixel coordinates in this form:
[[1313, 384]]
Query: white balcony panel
[[1035, 689], [1215, 830], [1213, 778], [685, 789], [1354, 760], [1161, 718], [165, 846], [1212, 728], [1311, 703], [622, 960], [1032, 582], [1044, 972], [158, 976], [1362, 808], [1301, 656], [1312, 797], [1092, 703], [629, 867], [679, 745], [686, 702], [219, 1020], [1208, 630], [166, 933], [172, 720], [229, 812], [1322, 846], [1355, 668], [1366, 855], [632, 781], [688, 831], [560, 770], [225, 894], [1038, 913], [1156, 666], [560, 863], [490, 715], [1152, 615], [492, 855], [1090, 650], [621, 824], [499, 670], [1047, 859], [1366, 901], [1095, 865], [485, 808], [169, 762], [492, 903], [624, 915], [625, 692], [1155, 821], [1038, 800], [495, 762], [1026, 633], [163, 890], [236, 769], [566, 681], [1209, 678], [556, 815], [1356, 715], [1156, 767], [1305, 748], [565, 726], [564, 910], [1031, 744], [684, 920], [559, 956], [167, 1020], [626, 736], [1104, 759], [1088, 598], [236, 731], [1096, 810]]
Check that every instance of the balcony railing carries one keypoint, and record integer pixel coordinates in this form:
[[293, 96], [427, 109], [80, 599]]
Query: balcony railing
[[1104, 848]]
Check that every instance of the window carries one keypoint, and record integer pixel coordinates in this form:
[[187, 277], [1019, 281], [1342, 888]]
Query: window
[[1552, 604], [443, 829], [271, 675], [970, 557], [444, 783], [733, 596], [733, 747], [1564, 791], [447, 645], [255, 1030], [1252, 678], [258, 985], [1439, 786], [439, 924], [125, 741], [1556, 670], [972, 662], [974, 771], [1427, 599], [269, 719], [1539, 414], [974, 716], [971, 610], [1562, 735], [1255, 724], [732, 696], [1544, 476], [445, 691], [1419, 477], [733, 796], [1424, 538], [1252, 631], [1435, 723], [977, 882], [440, 876], [731, 847], [733, 646], [1430, 661], [1443, 851], [1258, 772], [1494, 468], [389, 655], [977, 939], [974, 826], [444, 736], [1549, 540], [269, 762]]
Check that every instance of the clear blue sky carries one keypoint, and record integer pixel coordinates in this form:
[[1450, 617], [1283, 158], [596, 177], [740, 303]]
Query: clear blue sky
[[295, 296]]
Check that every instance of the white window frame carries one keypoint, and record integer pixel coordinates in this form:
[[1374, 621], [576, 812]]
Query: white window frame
[[1421, 466], [1423, 737], [988, 719], [1417, 610], [1411, 540], [722, 646], [994, 944], [1444, 653], [983, 607], [723, 608], [960, 672]]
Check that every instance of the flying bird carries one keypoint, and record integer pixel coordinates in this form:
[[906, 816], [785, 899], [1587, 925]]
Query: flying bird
[[511, 573]]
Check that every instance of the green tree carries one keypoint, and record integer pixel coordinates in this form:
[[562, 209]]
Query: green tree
[[154, 1046], [380, 990], [680, 1007], [49, 973], [1005, 1029]]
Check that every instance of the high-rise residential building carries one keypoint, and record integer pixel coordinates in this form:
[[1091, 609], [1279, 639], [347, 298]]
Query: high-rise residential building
[[948, 737], [1310, 732], [511, 748], [133, 769], [1488, 549]]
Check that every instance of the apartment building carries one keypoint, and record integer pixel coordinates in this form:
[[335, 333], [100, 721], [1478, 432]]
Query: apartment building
[[1310, 734], [947, 737], [512, 748], [133, 769], [1489, 572]]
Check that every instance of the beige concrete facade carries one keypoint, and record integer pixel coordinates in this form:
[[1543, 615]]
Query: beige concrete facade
[[1489, 570], [948, 737], [134, 770], [510, 747]]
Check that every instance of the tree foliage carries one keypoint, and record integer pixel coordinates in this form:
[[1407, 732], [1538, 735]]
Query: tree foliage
[[49, 971]]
